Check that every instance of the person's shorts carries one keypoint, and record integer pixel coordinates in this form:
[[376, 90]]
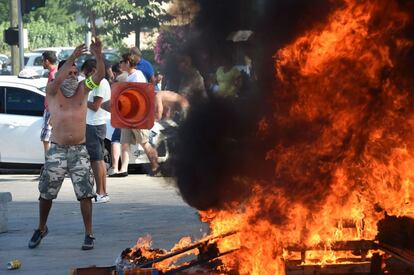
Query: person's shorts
[[95, 137], [134, 136], [46, 131], [71, 159], [116, 136]]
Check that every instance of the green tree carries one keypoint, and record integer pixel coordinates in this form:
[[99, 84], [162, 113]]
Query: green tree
[[121, 17], [4, 24], [4, 48], [53, 25], [49, 34], [4, 8], [56, 11]]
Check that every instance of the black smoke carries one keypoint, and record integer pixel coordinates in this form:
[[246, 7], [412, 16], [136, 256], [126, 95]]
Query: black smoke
[[219, 151]]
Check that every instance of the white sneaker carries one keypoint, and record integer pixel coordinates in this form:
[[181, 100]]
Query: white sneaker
[[107, 198], [102, 199], [112, 171]]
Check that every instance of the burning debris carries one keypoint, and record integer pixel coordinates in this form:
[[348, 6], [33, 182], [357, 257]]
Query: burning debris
[[331, 153], [206, 254], [330, 157]]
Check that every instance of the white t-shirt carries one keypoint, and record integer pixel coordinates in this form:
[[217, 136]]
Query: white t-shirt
[[99, 117], [136, 76]]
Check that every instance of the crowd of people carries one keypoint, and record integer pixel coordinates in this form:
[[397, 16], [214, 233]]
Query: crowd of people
[[77, 107]]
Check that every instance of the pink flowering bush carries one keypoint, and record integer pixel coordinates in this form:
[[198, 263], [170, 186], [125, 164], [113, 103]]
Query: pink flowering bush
[[168, 42]]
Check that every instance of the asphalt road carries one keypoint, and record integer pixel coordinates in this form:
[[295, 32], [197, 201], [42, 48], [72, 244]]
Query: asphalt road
[[140, 205]]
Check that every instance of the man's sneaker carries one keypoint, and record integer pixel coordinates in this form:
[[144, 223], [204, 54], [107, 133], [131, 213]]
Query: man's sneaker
[[101, 198], [88, 243], [37, 237], [106, 198]]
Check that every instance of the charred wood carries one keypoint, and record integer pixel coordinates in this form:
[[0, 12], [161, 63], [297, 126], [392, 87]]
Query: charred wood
[[360, 245], [405, 255], [376, 264], [397, 232], [357, 269], [200, 261], [199, 245]]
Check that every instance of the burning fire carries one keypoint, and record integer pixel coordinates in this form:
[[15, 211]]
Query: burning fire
[[344, 156], [341, 139]]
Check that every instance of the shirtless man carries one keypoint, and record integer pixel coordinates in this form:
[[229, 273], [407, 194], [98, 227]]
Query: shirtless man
[[167, 101], [67, 101], [164, 102]]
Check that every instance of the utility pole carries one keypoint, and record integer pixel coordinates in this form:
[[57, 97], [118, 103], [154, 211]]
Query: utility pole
[[14, 22], [21, 40]]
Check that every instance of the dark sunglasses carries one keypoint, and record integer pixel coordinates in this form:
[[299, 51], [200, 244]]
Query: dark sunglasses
[[73, 73]]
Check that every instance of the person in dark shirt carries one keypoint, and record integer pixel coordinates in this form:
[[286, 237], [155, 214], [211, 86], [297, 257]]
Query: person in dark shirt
[[143, 65]]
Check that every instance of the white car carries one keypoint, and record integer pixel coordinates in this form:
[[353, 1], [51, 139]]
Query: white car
[[34, 61], [21, 110], [4, 59], [21, 118]]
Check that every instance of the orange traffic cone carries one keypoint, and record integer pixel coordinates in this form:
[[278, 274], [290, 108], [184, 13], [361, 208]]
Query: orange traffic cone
[[132, 105]]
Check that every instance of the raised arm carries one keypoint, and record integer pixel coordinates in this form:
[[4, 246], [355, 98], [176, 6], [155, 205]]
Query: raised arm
[[94, 80], [159, 108], [53, 86], [169, 98]]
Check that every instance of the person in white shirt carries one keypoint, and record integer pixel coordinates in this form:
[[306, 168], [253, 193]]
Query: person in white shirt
[[137, 136], [96, 119]]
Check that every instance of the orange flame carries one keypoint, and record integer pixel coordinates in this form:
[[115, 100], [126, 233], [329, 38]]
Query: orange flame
[[354, 159]]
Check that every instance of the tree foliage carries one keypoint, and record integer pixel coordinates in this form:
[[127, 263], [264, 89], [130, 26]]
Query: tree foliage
[[56, 25], [47, 34], [169, 41], [4, 8], [55, 11], [122, 17], [49, 26], [4, 48]]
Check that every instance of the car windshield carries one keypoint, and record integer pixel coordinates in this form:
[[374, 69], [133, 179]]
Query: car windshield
[[110, 58], [25, 60], [64, 54]]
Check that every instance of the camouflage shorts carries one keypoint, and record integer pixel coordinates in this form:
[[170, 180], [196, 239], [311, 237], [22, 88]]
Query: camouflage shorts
[[71, 159]]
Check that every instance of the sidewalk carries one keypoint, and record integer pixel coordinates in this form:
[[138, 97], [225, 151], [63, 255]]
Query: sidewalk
[[139, 205]]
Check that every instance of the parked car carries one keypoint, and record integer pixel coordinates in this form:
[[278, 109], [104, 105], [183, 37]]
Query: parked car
[[109, 56], [61, 52], [34, 61], [4, 59], [21, 110]]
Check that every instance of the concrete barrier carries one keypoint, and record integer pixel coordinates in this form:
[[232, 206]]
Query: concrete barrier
[[5, 197]]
